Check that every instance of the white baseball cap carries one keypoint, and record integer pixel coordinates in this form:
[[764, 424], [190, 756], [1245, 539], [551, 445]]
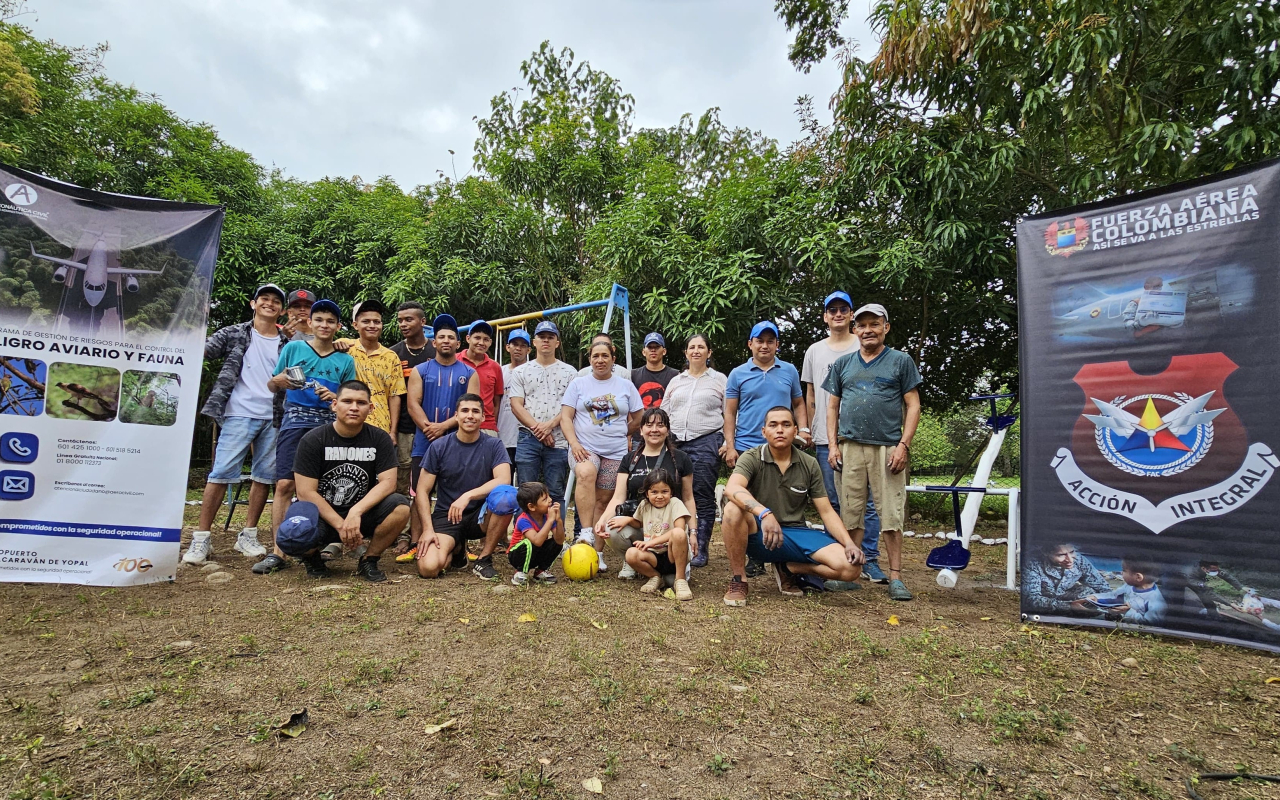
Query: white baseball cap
[[874, 308]]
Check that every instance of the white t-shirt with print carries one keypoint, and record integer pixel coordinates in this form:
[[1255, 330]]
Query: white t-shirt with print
[[600, 413], [542, 389]]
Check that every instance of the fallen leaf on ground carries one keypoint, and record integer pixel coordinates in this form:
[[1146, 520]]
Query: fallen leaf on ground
[[1273, 680], [1130, 662], [464, 620], [717, 641], [453, 723], [74, 724], [669, 594], [528, 617], [295, 726], [893, 619], [593, 785], [985, 619], [599, 625], [546, 762]]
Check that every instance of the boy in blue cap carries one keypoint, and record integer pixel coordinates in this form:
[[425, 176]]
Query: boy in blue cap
[[308, 404]]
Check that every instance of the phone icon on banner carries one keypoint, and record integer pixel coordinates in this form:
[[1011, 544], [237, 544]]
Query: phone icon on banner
[[19, 448], [16, 485]]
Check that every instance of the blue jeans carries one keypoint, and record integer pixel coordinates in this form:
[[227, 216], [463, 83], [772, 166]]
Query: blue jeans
[[704, 452], [870, 522], [535, 460]]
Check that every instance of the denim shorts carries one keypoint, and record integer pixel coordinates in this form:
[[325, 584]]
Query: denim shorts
[[798, 546], [286, 448], [237, 437]]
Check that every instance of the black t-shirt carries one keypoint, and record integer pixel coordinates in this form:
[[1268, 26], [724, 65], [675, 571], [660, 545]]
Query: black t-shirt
[[639, 468], [346, 468], [652, 386], [407, 362]]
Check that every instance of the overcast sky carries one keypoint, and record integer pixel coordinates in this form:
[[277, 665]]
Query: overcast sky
[[321, 87]]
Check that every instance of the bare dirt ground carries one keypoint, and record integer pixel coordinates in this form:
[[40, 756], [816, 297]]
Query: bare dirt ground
[[174, 690]]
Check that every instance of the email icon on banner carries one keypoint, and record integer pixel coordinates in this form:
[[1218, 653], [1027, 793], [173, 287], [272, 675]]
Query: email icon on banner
[[16, 485]]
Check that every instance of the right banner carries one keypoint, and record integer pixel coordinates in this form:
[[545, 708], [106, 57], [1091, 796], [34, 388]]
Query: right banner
[[1150, 358]]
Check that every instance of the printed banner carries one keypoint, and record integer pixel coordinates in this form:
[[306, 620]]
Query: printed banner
[[1150, 354], [103, 306]]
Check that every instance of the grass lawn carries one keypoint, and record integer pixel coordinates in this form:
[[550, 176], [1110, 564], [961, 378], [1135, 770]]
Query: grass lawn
[[174, 690]]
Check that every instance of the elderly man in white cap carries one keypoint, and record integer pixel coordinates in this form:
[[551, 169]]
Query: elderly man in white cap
[[873, 411]]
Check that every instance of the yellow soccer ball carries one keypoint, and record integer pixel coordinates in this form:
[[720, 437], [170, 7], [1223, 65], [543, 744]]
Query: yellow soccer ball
[[581, 562]]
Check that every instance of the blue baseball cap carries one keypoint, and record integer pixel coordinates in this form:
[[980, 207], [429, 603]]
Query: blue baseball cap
[[502, 500], [655, 338], [327, 305], [519, 335], [299, 533], [761, 327], [546, 326], [837, 295], [444, 322], [481, 327]]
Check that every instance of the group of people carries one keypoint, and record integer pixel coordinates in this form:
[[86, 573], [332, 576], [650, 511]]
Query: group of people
[[365, 437]]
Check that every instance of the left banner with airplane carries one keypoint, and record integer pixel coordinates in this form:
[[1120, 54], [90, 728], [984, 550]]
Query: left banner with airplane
[[104, 300]]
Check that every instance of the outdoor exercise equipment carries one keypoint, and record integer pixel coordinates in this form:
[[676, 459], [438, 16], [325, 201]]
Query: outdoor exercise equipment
[[618, 299], [953, 556]]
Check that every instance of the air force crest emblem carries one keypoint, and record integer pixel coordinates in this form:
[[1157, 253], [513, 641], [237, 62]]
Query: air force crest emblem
[[1164, 448], [1065, 237]]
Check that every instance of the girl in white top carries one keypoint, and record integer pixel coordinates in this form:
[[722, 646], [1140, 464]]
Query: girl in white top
[[599, 411], [695, 402], [664, 550]]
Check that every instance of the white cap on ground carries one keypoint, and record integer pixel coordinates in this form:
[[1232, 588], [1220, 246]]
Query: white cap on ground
[[874, 308]]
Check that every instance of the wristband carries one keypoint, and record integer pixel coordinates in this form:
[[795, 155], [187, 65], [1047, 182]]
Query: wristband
[[760, 517], [904, 444]]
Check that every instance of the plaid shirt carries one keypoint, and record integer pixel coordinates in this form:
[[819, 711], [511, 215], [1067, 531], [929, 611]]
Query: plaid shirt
[[230, 345]]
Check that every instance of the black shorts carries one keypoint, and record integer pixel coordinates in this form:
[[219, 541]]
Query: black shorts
[[664, 565], [369, 522], [467, 528]]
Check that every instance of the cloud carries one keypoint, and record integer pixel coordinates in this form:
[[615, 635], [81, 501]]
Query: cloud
[[320, 87]]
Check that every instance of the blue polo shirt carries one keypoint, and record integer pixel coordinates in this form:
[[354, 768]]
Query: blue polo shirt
[[757, 391]]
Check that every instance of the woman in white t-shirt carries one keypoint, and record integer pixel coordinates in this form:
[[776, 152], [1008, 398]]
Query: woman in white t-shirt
[[600, 410]]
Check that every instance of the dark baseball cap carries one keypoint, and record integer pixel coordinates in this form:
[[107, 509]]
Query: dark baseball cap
[[547, 326], [300, 296], [655, 338], [444, 322], [326, 305], [269, 288], [299, 533], [371, 304]]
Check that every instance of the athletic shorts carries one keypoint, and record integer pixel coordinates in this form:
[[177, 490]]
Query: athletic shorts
[[286, 448], [236, 438], [606, 471], [368, 523], [466, 529], [798, 546]]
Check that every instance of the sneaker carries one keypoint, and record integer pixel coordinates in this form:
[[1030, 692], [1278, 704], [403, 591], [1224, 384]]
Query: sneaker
[[841, 586], [459, 555], [200, 549], [652, 586], [898, 590], [272, 563], [520, 579], [754, 568], [787, 583], [736, 597], [331, 551], [484, 569], [407, 558], [603, 566], [627, 573], [247, 544], [682, 590], [316, 566], [873, 572], [367, 568], [544, 576]]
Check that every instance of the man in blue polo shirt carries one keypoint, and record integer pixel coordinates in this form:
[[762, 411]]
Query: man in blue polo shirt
[[752, 389]]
